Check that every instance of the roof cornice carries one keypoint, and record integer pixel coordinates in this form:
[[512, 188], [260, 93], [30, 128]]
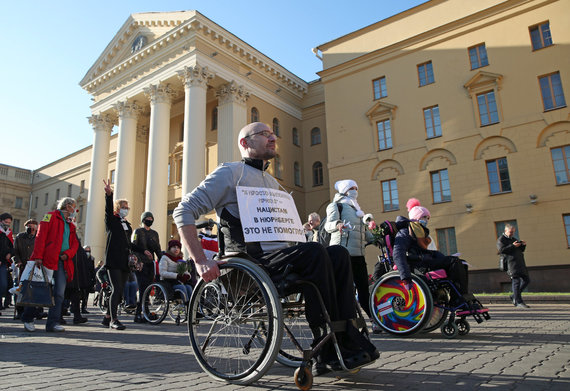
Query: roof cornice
[[203, 28]]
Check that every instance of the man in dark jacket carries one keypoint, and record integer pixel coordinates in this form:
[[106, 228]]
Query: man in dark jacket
[[513, 250], [6, 253], [23, 248], [146, 245], [82, 279]]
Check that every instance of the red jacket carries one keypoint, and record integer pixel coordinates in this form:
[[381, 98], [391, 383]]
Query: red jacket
[[49, 240]]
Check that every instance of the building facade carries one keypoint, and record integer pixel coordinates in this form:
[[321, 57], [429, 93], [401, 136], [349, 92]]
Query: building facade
[[460, 104]]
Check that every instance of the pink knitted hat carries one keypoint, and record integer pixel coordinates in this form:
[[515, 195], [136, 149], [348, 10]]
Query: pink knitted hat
[[415, 210]]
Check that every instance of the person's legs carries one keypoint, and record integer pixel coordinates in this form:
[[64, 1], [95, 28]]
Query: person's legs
[[516, 285], [118, 280], [360, 275], [144, 279], [3, 282], [54, 313]]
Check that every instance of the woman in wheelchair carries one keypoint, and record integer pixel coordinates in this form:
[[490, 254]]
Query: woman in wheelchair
[[173, 270], [411, 252]]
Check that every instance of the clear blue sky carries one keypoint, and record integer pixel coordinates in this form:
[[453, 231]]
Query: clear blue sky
[[48, 46]]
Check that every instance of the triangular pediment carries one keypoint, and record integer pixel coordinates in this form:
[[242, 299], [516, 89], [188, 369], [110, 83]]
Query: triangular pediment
[[483, 78], [144, 28], [381, 109]]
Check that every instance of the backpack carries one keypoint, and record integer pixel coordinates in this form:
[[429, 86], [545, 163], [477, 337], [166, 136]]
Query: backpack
[[324, 236]]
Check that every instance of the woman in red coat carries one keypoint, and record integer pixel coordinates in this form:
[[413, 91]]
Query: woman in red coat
[[54, 248]]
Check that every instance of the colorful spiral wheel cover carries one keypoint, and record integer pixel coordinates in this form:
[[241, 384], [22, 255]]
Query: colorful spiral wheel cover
[[398, 310]]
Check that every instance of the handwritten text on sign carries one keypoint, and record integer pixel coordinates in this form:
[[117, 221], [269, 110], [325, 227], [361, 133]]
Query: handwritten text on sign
[[268, 215]]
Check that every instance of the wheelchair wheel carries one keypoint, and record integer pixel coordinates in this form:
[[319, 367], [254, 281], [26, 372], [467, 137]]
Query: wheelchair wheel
[[463, 327], [449, 330], [303, 378], [155, 303], [237, 341], [178, 309], [397, 310], [296, 331]]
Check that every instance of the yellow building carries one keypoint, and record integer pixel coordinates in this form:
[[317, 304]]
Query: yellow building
[[460, 104]]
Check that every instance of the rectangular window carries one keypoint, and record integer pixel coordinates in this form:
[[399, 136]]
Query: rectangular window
[[69, 188], [446, 242], [478, 56], [500, 227], [168, 175], [57, 194], [46, 198], [498, 174], [36, 202], [425, 73], [82, 186], [19, 204], [112, 176], [488, 113], [561, 163], [440, 186], [566, 219], [16, 226], [551, 90], [80, 217], [384, 135], [379, 88], [390, 195], [540, 35], [432, 122]]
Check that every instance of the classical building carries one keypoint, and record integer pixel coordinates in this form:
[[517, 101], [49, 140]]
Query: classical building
[[460, 104], [15, 188]]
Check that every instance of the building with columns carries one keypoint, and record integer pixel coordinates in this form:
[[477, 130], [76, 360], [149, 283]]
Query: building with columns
[[460, 104]]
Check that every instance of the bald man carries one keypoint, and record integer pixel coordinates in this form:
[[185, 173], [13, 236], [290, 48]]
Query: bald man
[[328, 268]]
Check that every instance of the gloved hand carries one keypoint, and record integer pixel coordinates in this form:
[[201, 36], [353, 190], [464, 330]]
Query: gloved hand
[[183, 278]]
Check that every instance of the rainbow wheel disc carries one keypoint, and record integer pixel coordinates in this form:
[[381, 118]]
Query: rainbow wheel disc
[[398, 310]]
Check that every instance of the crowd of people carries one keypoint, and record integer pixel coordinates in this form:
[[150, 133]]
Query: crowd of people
[[134, 257]]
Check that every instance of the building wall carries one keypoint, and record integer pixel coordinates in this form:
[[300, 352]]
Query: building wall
[[15, 194], [524, 135]]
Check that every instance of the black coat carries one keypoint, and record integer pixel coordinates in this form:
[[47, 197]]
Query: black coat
[[23, 247], [146, 240], [119, 232], [513, 254], [84, 275], [6, 247]]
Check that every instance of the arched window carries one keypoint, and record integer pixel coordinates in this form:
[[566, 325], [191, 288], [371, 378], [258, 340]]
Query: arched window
[[315, 136], [276, 127], [277, 168], [317, 174], [295, 137], [254, 115], [297, 173], [215, 118]]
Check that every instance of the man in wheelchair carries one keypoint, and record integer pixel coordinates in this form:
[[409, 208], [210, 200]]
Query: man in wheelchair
[[410, 251], [327, 268]]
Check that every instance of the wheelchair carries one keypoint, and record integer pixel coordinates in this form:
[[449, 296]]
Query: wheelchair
[[423, 308], [161, 299], [244, 321]]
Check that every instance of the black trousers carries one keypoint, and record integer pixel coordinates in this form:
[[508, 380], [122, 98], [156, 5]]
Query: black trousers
[[519, 283], [454, 267], [144, 278], [360, 275], [328, 268], [118, 279]]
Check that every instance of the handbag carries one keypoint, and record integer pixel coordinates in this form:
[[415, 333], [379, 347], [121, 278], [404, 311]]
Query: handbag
[[134, 264], [36, 293], [503, 264]]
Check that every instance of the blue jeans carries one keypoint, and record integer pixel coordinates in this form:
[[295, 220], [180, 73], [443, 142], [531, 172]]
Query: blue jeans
[[3, 282], [187, 289], [54, 313], [131, 293]]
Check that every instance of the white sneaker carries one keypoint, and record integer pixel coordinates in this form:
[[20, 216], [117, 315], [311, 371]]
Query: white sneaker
[[29, 326], [57, 328]]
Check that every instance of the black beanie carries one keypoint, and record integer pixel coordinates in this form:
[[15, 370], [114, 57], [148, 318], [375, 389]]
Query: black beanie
[[145, 215]]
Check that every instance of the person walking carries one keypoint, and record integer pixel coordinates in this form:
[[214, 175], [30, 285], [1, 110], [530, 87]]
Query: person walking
[[117, 252], [6, 253], [512, 249], [54, 248]]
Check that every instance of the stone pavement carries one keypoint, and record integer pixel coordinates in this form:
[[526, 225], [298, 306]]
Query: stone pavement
[[515, 350]]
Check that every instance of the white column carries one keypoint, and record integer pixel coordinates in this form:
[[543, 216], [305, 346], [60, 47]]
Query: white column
[[232, 116], [95, 217], [156, 196], [195, 81], [125, 168]]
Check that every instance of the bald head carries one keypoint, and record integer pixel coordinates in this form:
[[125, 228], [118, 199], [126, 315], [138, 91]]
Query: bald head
[[257, 141]]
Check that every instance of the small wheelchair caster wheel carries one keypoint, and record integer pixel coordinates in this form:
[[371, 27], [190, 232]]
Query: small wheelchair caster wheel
[[449, 330], [462, 326], [303, 378]]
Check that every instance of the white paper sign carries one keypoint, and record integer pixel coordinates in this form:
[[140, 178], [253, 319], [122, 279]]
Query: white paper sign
[[268, 215]]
